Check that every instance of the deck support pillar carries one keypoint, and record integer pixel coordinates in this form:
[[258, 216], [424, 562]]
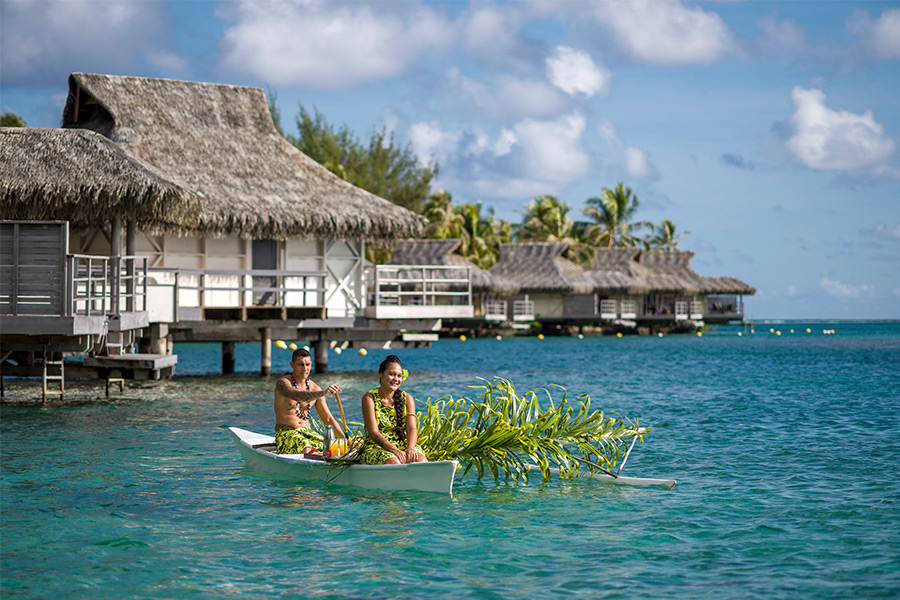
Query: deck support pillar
[[265, 362], [320, 351], [227, 358]]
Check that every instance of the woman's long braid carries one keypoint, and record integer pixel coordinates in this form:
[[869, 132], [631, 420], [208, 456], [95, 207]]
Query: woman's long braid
[[399, 406]]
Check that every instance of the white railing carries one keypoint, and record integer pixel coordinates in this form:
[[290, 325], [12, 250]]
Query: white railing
[[681, 310], [696, 310], [608, 309], [495, 310], [523, 310], [420, 291], [174, 288], [629, 310]]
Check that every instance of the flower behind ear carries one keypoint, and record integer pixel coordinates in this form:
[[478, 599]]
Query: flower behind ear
[[404, 374]]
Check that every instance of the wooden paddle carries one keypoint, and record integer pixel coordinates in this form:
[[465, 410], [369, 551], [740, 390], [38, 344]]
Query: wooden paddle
[[343, 420]]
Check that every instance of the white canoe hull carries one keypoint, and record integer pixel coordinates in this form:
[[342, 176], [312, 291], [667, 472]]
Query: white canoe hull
[[620, 480], [422, 477]]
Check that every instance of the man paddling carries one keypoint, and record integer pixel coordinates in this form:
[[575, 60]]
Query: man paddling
[[295, 394]]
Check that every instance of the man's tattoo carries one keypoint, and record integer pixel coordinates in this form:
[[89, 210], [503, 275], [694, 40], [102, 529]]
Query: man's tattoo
[[284, 388]]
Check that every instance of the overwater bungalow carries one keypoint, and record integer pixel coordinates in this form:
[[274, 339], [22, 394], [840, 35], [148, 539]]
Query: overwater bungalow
[[272, 244], [546, 286], [54, 300], [659, 289]]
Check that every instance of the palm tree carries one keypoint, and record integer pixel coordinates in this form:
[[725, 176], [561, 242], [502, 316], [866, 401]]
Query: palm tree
[[444, 222], [664, 236], [613, 212], [546, 220]]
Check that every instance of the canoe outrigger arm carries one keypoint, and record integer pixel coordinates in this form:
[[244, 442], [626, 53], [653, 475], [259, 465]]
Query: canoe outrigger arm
[[598, 467]]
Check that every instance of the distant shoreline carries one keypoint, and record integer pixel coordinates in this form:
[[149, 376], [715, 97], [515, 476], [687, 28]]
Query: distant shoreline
[[800, 320]]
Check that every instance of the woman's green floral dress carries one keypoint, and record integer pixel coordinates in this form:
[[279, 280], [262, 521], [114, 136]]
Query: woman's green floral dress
[[386, 416]]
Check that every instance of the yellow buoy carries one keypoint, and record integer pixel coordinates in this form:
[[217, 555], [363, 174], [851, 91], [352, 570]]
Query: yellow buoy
[[699, 334], [292, 346], [808, 330], [362, 352], [777, 333], [771, 330], [280, 344], [462, 338], [619, 334], [540, 336]]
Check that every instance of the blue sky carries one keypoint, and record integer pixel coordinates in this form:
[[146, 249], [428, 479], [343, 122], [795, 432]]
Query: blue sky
[[769, 130]]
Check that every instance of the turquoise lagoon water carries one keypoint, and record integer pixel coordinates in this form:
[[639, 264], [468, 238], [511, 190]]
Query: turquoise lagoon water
[[785, 448]]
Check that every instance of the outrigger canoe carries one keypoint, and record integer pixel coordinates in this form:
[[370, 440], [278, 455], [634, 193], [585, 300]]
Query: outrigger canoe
[[258, 452]]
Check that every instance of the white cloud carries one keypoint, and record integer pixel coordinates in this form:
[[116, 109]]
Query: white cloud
[[507, 97], [830, 140], [889, 233], [325, 45], [493, 33], [838, 289], [881, 34], [528, 158], [43, 41], [551, 150], [780, 37], [430, 141], [575, 72], [663, 31], [635, 164]]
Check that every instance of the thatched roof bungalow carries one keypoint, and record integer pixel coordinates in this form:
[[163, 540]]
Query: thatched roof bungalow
[[676, 265], [220, 142], [549, 285], [540, 267], [82, 177]]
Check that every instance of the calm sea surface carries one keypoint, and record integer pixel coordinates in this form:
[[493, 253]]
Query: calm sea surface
[[786, 450]]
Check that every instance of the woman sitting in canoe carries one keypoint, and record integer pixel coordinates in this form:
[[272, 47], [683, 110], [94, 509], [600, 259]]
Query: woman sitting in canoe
[[389, 414]]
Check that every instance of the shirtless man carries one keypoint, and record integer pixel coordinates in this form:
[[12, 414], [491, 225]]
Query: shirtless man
[[295, 394]]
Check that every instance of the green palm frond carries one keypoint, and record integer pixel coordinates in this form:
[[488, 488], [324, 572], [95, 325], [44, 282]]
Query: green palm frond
[[503, 433]]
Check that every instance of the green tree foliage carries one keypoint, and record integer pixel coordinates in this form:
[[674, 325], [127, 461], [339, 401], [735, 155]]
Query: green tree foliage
[[381, 167], [481, 234], [11, 119], [664, 236], [612, 213], [272, 99], [503, 433], [546, 219]]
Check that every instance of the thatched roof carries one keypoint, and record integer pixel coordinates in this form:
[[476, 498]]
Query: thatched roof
[[540, 267], [636, 271], [675, 265], [220, 141], [82, 177], [448, 253]]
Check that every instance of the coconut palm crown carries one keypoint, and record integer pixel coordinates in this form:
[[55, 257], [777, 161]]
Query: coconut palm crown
[[613, 212]]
